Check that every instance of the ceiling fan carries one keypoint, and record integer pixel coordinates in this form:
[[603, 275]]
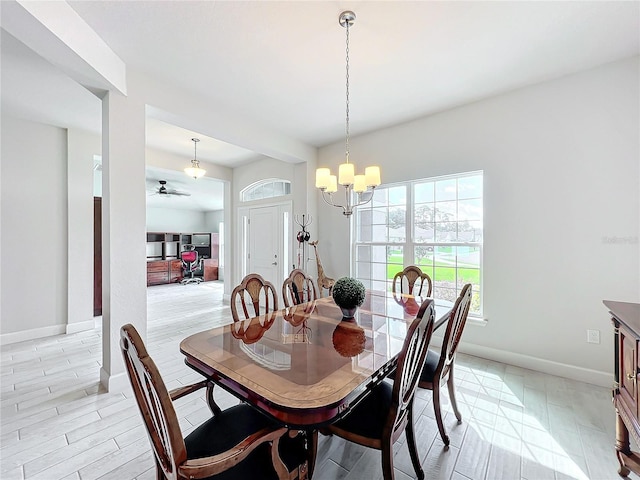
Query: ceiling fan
[[163, 190]]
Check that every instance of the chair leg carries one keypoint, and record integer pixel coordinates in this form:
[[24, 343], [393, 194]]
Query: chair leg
[[452, 394], [438, 411], [387, 460], [213, 406], [411, 444]]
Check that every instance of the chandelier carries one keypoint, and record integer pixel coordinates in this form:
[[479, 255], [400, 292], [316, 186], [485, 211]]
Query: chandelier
[[358, 189], [194, 170]]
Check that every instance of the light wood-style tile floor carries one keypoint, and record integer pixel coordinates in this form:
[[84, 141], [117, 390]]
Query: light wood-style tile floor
[[57, 423]]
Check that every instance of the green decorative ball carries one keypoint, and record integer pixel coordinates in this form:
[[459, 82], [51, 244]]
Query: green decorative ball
[[348, 292]]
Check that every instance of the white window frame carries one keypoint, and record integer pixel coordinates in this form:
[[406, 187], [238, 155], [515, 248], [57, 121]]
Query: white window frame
[[409, 243]]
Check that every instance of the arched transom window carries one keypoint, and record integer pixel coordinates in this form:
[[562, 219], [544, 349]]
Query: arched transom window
[[273, 187]]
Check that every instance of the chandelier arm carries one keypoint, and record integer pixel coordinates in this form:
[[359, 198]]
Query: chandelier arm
[[368, 193], [331, 203]]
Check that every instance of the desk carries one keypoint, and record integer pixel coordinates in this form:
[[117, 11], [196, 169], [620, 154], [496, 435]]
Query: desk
[[303, 365]]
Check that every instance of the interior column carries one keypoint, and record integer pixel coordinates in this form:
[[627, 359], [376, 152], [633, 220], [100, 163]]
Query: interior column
[[124, 298]]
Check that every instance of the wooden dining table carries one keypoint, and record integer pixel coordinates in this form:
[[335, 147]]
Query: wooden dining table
[[305, 365]]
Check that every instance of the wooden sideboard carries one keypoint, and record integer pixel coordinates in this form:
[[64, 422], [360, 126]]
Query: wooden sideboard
[[626, 322]]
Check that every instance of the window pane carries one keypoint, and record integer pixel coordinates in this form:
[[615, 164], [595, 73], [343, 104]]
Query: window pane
[[397, 224], [446, 231], [379, 254], [444, 256], [470, 209], [363, 269], [470, 187], [379, 233], [363, 253], [379, 216], [423, 192], [446, 190], [423, 256], [266, 189], [398, 196], [445, 211], [380, 196]]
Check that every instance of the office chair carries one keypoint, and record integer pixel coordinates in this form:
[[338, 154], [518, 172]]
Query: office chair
[[190, 263]]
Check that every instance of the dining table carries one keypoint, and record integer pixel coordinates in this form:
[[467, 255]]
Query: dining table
[[306, 365]]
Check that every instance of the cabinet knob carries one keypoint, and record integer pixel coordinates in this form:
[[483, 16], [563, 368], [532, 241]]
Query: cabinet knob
[[631, 376]]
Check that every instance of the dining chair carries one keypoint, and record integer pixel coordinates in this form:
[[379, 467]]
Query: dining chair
[[237, 443], [410, 278], [438, 368], [381, 417], [298, 288], [256, 291]]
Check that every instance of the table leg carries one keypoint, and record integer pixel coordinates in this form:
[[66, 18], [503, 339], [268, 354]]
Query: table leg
[[312, 448]]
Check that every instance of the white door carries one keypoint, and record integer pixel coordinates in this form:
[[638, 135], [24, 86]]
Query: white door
[[265, 246]]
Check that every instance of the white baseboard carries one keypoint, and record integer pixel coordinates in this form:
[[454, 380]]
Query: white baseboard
[[81, 326], [573, 372], [32, 334], [114, 383]]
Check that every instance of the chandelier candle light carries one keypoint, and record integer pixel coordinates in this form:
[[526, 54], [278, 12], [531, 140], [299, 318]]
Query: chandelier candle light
[[362, 185], [194, 170]]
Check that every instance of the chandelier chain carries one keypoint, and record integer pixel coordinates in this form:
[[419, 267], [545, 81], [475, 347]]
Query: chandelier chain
[[347, 112]]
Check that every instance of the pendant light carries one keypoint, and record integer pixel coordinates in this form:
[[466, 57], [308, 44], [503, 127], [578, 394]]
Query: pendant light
[[194, 170]]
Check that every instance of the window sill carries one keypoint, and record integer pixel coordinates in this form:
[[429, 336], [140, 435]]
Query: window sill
[[477, 321]]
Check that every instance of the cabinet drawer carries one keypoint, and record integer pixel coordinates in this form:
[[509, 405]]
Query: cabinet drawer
[[157, 277], [629, 369], [157, 267]]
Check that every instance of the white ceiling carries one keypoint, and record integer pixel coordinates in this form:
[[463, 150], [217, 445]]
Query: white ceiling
[[205, 194], [282, 64]]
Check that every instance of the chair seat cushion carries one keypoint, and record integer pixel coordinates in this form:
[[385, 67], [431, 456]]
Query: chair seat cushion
[[369, 416], [230, 427], [430, 365]]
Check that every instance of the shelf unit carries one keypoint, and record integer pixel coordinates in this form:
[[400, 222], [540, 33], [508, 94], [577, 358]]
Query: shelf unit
[[163, 246], [163, 255]]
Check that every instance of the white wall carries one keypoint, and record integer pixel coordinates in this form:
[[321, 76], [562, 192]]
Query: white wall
[[82, 146], [175, 220], [212, 221], [561, 178], [34, 227]]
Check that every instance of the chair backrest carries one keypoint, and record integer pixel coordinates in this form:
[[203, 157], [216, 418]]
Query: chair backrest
[[412, 280], [256, 291], [154, 402], [410, 363], [189, 256], [189, 260], [298, 288], [455, 327]]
